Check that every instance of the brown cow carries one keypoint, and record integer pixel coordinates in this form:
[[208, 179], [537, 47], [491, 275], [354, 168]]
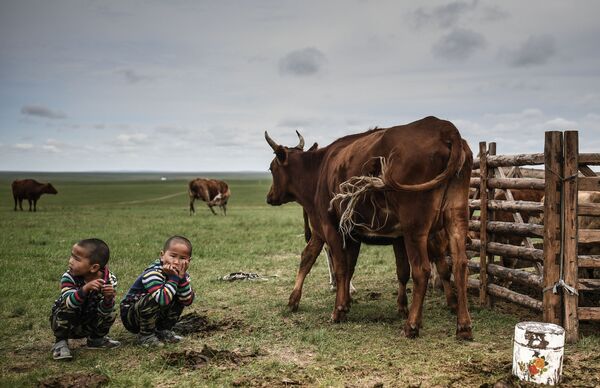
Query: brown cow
[[31, 190], [388, 186], [212, 191]]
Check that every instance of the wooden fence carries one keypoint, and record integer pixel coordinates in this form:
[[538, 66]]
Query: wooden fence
[[553, 269]]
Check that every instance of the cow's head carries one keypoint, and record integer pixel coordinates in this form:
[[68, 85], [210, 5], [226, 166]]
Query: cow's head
[[280, 191], [49, 189]]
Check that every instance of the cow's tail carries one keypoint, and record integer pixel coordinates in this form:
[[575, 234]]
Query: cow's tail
[[455, 163]]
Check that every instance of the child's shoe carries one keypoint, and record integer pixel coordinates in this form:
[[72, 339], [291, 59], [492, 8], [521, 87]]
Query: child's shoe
[[149, 341], [168, 336], [61, 351], [102, 343]]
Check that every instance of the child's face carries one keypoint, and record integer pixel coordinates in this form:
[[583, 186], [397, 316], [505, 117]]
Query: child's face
[[79, 262], [178, 254]]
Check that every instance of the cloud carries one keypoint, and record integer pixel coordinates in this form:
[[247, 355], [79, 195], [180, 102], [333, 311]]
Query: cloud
[[23, 146], [54, 146], [445, 16], [128, 139], [40, 111], [304, 62], [536, 50], [458, 45], [133, 77], [169, 130]]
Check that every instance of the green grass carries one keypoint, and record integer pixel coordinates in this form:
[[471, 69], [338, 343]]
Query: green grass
[[136, 213]]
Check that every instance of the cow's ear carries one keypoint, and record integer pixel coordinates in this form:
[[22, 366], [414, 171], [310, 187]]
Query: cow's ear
[[281, 155], [313, 147]]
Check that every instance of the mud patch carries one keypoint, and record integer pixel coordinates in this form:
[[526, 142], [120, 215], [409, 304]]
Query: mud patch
[[192, 359], [196, 323], [374, 295], [74, 380], [267, 382]]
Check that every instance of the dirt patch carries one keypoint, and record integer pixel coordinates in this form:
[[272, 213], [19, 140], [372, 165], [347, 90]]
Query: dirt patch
[[192, 359], [292, 356], [74, 380], [267, 382], [23, 367], [196, 323]]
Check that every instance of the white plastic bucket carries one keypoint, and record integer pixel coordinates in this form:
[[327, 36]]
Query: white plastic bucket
[[538, 352]]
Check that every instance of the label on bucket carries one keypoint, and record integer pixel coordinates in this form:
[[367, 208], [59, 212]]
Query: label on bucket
[[538, 352]]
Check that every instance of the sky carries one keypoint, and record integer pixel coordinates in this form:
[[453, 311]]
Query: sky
[[90, 85]]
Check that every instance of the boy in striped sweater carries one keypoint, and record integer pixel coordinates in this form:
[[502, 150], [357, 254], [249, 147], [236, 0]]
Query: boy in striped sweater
[[156, 299], [86, 305]]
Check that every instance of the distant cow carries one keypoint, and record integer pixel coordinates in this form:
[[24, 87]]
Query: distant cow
[[31, 190], [212, 191], [384, 186]]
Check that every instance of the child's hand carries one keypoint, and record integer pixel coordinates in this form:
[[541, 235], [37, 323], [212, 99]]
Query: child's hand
[[183, 267], [108, 291], [94, 285], [170, 269]]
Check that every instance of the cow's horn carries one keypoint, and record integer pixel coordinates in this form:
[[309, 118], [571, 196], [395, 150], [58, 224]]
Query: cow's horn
[[271, 141], [301, 144]]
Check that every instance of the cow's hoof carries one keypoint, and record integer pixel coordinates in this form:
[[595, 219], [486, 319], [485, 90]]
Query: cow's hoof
[[293, 307], [464, 333], [410, 331], [339, 314], [403, 311], [294, 301]]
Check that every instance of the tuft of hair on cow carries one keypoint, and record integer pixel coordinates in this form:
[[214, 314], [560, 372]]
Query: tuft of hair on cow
[[350, 193]]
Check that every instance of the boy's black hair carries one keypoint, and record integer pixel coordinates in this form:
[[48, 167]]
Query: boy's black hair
[[97, 250], [179, 239]]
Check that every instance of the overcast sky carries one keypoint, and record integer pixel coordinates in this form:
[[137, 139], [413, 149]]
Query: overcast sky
[[193, 85]]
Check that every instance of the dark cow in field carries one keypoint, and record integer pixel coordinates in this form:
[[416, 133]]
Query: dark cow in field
[[31, 190], [212, 191], [392, 186]]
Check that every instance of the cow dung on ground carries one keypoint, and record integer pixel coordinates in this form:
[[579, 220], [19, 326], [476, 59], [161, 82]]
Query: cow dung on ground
[[194, 360], [197, 323], [74, 380]]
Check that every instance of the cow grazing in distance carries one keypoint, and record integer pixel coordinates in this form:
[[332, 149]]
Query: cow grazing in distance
[[31, 190], [212, 191], [393, 186]]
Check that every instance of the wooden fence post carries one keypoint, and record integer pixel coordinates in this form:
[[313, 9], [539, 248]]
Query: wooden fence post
[[553, 147], [483, 196], [490, 217], [570, 260]]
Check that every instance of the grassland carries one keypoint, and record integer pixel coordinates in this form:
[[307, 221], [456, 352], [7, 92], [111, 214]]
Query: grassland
[[136, 213]]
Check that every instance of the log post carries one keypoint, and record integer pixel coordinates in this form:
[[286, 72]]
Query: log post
[[570, 260], [553, 171], [483, 216], [490, 217]]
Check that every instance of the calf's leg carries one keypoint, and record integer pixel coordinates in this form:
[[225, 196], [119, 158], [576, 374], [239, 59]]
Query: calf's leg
[[403, 274], [309, 256]]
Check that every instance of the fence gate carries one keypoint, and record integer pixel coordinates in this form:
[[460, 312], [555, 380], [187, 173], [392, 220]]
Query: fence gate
[[570, 253]]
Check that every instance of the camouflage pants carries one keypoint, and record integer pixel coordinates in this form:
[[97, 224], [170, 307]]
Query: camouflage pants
[[145, 315], [84, 321]]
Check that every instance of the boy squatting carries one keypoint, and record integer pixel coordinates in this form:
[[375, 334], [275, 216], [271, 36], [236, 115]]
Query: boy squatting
[[86, 305], [157, 298]]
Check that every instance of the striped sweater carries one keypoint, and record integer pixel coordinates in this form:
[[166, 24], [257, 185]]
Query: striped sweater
[[163, 288], [72, 294]]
